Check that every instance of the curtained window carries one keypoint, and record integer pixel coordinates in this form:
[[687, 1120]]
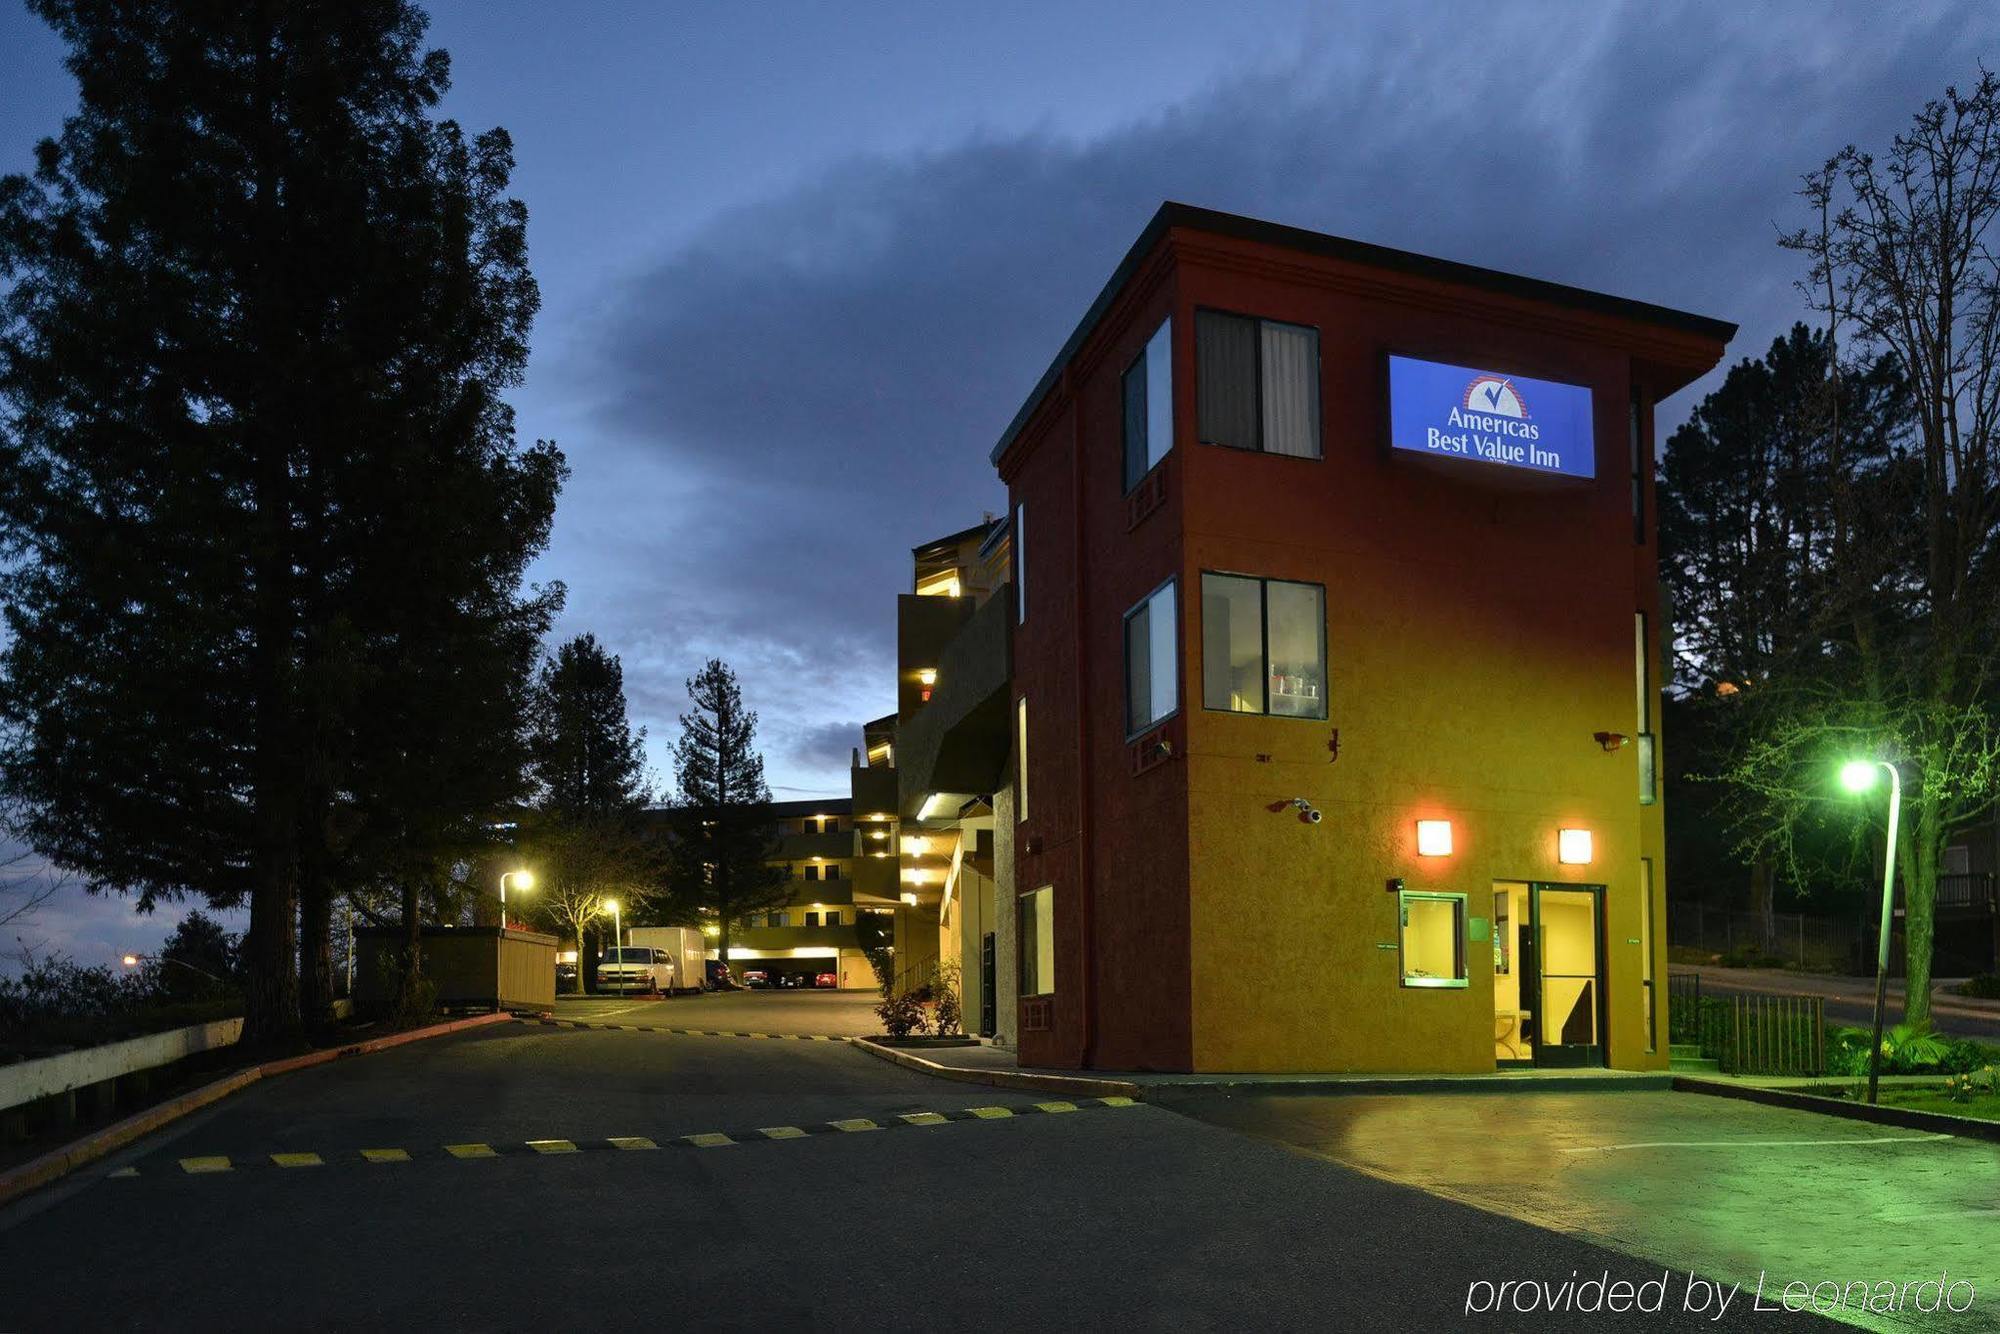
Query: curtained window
[[1257, 384]]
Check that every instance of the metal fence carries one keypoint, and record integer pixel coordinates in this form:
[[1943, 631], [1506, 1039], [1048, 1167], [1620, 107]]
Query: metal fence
[[1821, 944], [1748, 1034]]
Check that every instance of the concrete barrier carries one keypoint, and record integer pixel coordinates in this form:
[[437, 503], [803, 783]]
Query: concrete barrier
[[25, 1081]]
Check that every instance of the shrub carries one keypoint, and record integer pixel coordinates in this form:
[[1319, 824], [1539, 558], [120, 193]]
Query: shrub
[[1906, 1050], [901, 1015], [1986, 986], [949, 1013]]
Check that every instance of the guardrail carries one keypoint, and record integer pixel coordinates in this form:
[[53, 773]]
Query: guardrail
[[29, 1081]]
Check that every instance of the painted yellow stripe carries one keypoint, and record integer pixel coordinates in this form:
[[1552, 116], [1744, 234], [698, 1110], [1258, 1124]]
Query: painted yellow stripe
[[552, 1146], [470, 1150], [1119, 1102], [297, 1160], [1056, 1106], [922, 1119], [782, 1132], [708, 1140], [990, 1113], [632, 1142], [854, 1123], [386, 1155], [124, 1172], [196, 1166]]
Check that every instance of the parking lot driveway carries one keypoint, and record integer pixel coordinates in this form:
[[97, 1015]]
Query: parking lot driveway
[[836, 1013], [1722, 1187]]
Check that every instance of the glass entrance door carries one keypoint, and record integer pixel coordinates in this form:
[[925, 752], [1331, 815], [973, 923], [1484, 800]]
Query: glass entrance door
[[1569, 968]]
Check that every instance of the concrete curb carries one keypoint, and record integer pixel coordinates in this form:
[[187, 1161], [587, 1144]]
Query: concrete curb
[[1004, 1079], [1367, 1085], [1908, 1118], [58, 1163]]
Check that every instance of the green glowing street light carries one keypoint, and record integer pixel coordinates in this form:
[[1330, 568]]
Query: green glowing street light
[[1859, 776]]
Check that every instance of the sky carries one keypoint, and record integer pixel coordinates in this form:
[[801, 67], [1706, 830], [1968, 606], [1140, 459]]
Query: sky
[[800, 263]]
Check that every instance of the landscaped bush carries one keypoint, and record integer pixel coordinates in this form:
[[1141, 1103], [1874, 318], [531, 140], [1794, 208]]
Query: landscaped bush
[[1907, 1051], [901, 1015], [947, 1014], [1986, 986]]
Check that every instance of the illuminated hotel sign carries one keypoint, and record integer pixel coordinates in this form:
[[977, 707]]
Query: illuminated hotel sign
[[1462, 412]]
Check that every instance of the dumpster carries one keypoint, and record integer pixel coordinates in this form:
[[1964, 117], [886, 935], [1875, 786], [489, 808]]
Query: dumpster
[[474, 967]]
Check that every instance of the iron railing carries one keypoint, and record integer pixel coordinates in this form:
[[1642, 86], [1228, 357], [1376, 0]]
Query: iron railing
[[1746, 1033]]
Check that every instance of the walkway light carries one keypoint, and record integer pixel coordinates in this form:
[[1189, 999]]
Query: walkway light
[[1859, 776]]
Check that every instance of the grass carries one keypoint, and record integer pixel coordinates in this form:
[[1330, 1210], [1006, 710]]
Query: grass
[[1984, 1106]]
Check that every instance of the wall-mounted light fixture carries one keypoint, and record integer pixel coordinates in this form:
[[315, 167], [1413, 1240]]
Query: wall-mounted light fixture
[[1573, 847], [927, 678], [1434, 838], [910, 899]]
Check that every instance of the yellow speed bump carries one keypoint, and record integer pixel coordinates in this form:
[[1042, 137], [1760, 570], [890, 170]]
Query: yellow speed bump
[[212, 1163], [854, 1123], [386, 1155], [989, 1113], [1056, 1106], [1119, 1101], [631, 1142], [552, 1146], [712, 1139], [922, 1119], [470, 1150], [782, 1132], [297, 1160]]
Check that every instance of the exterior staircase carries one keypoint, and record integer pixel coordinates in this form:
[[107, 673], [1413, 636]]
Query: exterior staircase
[[1686, 1058]]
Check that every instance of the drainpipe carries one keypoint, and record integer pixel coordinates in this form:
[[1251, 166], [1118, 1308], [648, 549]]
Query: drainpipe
[[1087, 1057]]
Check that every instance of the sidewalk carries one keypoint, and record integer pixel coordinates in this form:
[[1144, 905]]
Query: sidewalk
[[989, 1064]]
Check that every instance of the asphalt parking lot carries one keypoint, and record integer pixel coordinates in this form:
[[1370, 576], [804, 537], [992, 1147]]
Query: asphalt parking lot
[[1732, 1189], [837, 1013]]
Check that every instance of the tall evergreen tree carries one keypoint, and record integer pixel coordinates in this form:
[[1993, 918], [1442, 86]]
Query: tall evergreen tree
[[587, 835], [261, 502], [723, 832]]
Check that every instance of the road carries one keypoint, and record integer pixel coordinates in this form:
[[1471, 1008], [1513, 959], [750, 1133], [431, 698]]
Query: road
[[435, 1186], [1851, 1000]]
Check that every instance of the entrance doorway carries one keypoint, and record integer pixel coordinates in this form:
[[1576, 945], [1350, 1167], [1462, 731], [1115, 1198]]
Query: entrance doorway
[[1548, 974]]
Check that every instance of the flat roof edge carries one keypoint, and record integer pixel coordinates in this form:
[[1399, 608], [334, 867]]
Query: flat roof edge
[[1174, 214]]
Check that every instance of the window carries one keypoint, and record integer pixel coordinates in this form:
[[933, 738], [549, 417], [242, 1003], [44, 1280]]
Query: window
[[812, 919], [1263, 646], [1149, 406], [1646, 946], [833, 919], [1433, 939], [812, 872], [832, 872], [1038, 942], [1257, 384], [1642, 663], [1638, 474], [1021, 759], [1152, 661], [1021, 563], [774, 919], [1957, 860]]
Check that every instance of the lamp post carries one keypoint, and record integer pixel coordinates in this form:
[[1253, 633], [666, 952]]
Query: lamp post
[[132, 961], [527, 882], [617, 927], [1859, 776]]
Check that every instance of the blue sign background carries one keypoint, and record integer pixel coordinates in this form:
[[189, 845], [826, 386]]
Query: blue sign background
[[1446, 411]]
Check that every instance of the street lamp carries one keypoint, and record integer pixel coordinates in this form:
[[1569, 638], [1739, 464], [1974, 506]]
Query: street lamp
[[132, 961], [526, 879], [617, 928], [1859, 776]]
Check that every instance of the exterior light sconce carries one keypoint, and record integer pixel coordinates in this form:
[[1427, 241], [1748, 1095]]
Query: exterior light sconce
[[927, 678], [1573, 847], [910, 899], [1611, 741], [1434, 838]]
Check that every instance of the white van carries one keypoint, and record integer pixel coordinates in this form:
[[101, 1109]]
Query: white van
[[629, 968]]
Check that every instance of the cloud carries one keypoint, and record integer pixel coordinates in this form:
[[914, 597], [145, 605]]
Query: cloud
[[789, 401]]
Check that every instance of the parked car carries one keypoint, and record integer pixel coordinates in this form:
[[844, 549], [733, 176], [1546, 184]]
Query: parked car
[[565, 976], [756, 977], [719, 978], [630, 968], [826, 980]]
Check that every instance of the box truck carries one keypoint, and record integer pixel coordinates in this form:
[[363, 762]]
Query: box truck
[[685, 945]]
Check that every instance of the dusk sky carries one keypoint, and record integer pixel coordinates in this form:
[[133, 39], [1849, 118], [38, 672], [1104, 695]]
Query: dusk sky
[[801, 263]]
